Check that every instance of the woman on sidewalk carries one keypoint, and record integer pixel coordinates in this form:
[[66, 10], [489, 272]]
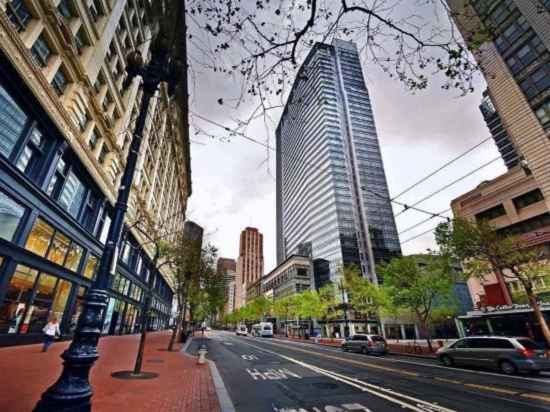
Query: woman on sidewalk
[[51, 330]]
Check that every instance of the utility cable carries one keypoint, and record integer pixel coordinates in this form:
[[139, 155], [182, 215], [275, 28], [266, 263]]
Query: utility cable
[[460, 156], [448, 185], [424, 221], [417, 236]]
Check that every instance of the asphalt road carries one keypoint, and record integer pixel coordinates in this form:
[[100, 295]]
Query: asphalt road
[[282, 376]]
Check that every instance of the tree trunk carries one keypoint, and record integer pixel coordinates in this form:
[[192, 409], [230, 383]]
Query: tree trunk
[[424, 327], [175, 333], [538, 315]]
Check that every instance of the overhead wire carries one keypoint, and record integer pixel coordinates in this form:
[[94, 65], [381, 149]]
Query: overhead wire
[[460, 156], [448, 185]]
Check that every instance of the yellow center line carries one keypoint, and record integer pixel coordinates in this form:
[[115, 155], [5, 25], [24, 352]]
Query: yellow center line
[[537, 396], [491, 388], [449, 380]]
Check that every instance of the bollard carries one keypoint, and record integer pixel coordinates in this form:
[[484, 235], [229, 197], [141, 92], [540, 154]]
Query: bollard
[[202, 354]]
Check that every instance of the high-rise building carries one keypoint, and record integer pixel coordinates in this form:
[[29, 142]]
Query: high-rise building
[[332, 193], [225, 265], [494, 123], [250, 263], [66, 122], [226, 268], [515, 62]]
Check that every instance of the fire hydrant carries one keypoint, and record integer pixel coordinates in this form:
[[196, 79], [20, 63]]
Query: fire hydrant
[[202, 354]]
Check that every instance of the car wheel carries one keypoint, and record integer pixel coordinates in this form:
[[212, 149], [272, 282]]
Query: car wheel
[[364, 350], [446, 360], [507, 367]]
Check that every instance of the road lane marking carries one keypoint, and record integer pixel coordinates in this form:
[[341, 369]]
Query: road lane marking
[[390, 395], [448, 380], [431, 365], [351, 361], [272, 374], [328, 408], [249, 357], [537, 396], [491, 388]]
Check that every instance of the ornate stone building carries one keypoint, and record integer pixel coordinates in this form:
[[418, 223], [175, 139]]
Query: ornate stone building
[[65, 128]]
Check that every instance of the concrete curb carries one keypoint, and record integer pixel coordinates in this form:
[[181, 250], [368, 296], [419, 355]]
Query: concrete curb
[[226, 405], [186, 345]]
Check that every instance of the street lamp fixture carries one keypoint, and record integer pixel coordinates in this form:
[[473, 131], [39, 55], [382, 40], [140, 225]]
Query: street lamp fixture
[[72, 391]]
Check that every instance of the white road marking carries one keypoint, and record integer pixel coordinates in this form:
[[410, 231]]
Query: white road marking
[[432, 365], [272, 374], [249, 357], [328, 408], [406, 401]]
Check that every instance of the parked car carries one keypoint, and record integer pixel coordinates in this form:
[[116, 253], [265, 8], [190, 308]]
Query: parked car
[[367, 344], [241, 330], [507, 354]]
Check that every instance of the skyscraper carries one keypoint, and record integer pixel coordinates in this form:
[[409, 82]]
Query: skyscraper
[[332, 193], [250, 263], [515, 61], [494, 123]]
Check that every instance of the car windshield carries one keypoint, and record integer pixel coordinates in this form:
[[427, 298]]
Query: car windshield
[[529, 344], [267, 327]]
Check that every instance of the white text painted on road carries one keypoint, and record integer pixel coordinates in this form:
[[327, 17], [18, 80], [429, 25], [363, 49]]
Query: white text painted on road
[[272, 374], [328, 408]]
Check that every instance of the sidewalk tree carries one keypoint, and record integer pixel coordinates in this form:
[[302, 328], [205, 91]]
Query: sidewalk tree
[[363, 296], [418, 284], [484, 251]]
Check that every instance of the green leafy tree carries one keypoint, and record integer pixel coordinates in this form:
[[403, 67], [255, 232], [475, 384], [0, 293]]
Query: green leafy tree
[[484, 251], [416, 284], [364, 296]]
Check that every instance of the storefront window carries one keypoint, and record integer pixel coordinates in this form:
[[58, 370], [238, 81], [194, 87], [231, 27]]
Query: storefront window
[[37, 313], [59, 249], [40, 238], [108, 317], [60, 299], [15, 303], [78, 308], [10, 216], [73, 257], [90, 268]]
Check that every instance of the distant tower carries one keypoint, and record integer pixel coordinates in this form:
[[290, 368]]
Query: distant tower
[[250, 263]]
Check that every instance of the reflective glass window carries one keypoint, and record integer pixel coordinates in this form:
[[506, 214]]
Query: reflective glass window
[[91, 266], [73, 257], [72, 195], [60, 299], [32, 152], [40, 238], [78, 308], [17, 298], [12, 122], [40, 51], [37, 312], [10, 216], [59, 248]]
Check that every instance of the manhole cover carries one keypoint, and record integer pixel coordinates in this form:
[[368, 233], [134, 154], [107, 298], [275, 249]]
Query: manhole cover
[[325, 385], [155, 361]]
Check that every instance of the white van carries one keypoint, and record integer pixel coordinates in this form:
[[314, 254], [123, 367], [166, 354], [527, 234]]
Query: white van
[[263, 329], [241, 330]]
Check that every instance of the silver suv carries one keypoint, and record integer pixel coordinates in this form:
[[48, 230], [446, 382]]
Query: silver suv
[[509, 355], [367, 344]]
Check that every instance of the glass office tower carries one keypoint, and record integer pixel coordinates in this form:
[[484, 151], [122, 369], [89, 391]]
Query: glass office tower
[[332, 195]]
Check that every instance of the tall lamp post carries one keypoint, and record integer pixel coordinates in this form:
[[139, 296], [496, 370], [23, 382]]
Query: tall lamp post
[[72, 391], [345, 306]]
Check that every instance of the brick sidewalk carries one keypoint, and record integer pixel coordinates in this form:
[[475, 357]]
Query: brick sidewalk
[[182, 385]]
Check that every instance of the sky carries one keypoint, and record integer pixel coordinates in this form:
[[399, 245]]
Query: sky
[[234, 178]]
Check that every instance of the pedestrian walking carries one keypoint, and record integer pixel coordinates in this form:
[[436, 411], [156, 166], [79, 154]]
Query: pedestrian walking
[[51, 331]]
